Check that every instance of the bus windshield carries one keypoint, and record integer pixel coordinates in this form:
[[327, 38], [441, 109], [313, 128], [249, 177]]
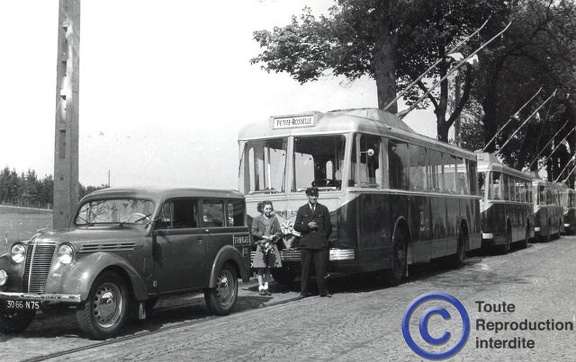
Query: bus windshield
[[263, 165], [316, 161]]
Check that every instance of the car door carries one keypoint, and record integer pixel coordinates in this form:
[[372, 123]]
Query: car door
[[180, 246]]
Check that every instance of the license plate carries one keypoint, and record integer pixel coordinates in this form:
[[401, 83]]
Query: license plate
[[22, 304]]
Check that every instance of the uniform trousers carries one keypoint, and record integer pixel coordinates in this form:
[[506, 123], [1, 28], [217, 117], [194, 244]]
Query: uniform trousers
[[320, 257]]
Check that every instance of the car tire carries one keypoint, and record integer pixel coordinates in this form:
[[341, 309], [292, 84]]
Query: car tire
[[221, 299], [15, 321], [105, 311]]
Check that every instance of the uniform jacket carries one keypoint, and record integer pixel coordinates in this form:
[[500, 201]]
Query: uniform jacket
[[313, 238]]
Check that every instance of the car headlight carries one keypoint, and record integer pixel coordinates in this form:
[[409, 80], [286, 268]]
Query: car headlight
[[18, 253], [3, 277], [65, 254]]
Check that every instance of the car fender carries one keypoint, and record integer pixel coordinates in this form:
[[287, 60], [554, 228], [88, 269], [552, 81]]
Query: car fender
[[81, 275], [226, 254]]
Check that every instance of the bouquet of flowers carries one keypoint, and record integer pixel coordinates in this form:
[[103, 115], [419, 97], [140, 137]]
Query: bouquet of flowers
[[267, 247]]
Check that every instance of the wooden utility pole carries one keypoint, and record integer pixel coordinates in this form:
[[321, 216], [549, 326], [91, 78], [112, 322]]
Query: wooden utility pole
[[67, 122]]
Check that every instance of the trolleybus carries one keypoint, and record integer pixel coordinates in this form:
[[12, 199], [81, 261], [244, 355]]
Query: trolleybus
[[506, 204], [548, 209], [568, 200], [395, 197]]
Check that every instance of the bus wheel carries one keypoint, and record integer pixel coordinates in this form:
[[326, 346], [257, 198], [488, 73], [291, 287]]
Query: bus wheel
[[460, 256], [395, 275], [284, 275], [524, 243], [221, 299], [505, 249], [548, 235]]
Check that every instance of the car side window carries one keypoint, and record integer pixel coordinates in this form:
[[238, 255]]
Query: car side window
[[235, 212], [179, 214], [212, 213]]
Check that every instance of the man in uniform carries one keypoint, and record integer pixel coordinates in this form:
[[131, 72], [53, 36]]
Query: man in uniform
[[313, 222]]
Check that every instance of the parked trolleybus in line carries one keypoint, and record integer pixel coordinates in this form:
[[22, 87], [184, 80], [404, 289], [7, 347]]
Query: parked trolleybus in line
[[395, 197], [548, 209], [506, 204], [568, 201]]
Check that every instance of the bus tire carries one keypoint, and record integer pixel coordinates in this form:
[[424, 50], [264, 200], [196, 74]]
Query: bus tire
[[284, 275], [460, 256], [524, 243], [548, 236], [395, 275], [505, 249]]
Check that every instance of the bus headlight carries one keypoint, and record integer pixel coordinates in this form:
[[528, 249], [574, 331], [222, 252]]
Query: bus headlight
[[3, 278], [65, 254], [18, 253]]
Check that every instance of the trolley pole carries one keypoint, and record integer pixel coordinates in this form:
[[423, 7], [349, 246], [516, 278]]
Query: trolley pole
[[67, 122]]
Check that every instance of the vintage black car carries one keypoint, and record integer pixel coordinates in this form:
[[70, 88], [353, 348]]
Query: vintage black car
[[124, 249]]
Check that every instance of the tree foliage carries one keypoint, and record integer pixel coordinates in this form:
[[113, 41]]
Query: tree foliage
[[395, 41], [539, 50], [392, 41], [26, 189]]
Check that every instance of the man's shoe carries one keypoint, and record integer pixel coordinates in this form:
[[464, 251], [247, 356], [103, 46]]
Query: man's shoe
[[304, 295], [327, 295]]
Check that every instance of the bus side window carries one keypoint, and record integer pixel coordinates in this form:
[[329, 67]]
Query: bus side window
[[398, 164], [495, 186], [436, 183], [481, 183], [450, 174], [418, 162], [369, 161]]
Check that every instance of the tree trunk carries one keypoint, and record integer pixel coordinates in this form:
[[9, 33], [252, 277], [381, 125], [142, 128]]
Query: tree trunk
[[385, 57]]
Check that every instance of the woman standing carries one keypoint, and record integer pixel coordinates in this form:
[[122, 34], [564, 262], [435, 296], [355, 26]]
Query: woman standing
[[266, 231]]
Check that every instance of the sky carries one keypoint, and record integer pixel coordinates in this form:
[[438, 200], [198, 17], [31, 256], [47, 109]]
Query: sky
[[165, 87]]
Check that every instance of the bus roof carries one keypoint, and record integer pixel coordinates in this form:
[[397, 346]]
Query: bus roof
[[366, 120], [488, 161]]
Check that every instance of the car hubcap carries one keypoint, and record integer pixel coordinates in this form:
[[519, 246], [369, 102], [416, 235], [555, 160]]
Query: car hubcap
[[107, 305]]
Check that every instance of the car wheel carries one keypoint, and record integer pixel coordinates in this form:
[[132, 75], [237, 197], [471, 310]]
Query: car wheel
[[221, 299], [14, 321], [104, 312]]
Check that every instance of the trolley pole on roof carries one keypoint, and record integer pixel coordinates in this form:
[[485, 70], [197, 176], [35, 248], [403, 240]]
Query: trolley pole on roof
[[67, 121]]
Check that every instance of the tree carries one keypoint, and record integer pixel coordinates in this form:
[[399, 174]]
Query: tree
[[392, 41], [538, 50]]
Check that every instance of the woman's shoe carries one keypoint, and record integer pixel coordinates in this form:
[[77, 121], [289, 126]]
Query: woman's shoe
[[261, 291]]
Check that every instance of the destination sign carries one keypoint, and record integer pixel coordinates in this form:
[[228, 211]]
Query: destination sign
[[293, 122]]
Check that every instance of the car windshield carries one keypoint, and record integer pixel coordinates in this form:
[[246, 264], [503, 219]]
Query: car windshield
[[122, 211]]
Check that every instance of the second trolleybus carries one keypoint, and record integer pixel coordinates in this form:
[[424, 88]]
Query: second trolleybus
[[506, 204], [395, 197], [548, 210]]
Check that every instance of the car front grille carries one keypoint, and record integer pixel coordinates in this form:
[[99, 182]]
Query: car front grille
[[38, 261]]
